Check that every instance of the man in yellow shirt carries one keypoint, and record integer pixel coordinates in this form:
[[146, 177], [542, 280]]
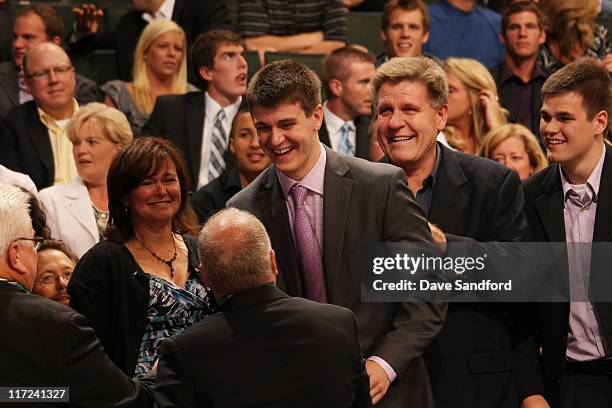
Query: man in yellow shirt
[[32, 135]]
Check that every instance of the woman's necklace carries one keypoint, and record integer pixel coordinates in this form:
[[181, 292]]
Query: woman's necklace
[[167, 262]]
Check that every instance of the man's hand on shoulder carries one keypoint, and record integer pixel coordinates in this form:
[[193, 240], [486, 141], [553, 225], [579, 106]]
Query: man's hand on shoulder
[[379, 382]]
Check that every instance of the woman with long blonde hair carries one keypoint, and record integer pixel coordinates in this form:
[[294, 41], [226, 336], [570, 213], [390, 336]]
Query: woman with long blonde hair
[[160, 68], [473, 105]]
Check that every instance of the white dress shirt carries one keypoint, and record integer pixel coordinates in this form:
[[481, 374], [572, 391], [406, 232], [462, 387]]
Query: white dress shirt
[[212, 108], [164, 12], [334, 124]]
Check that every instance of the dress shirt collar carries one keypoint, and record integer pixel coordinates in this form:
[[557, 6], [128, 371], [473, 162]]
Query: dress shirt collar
[[333, 122], [592, 183], [313, 181], [507, 73], [164, 12], [213, 107], [47, 119]]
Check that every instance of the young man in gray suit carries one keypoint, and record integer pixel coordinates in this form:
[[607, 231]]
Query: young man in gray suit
[[319, 208]]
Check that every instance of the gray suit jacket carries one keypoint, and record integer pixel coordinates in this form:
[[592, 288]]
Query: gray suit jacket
[[85, 91], [363, 202]]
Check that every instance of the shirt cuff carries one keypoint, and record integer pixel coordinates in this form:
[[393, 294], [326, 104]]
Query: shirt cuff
[[390, 371]]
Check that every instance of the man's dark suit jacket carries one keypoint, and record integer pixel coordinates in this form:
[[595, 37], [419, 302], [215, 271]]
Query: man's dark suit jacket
[[544, 205], [180, 118], [363, 203], [505, 94], [212, 197], [85, 90], [194, 16], [265, 349], [362, 137], [26, 147], [471, 360], [46, 344]]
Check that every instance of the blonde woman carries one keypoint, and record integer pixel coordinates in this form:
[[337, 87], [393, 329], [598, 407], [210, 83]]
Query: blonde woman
[[515, 147], [77, 212], [473, 105], [160, 68]]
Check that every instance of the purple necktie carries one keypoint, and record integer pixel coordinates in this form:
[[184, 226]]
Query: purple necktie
[[308, 247]]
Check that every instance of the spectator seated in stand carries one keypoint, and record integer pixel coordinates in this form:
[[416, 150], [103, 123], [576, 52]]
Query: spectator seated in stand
[[160, 68], [54, 268], [34, 25], [473, 106], [515, 147], [250, 162], [77, 212], [194, 16]]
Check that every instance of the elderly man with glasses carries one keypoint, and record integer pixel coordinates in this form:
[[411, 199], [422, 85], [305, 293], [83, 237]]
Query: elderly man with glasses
[[32, 134], [45, 344]]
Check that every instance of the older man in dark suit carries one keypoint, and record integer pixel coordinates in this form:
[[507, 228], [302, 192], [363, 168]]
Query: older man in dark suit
[[45, 344], [194, 16], [319, 208], [284, 341], [468, 199], [570, 202], [34, 25]]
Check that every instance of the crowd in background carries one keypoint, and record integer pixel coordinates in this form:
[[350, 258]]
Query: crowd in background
[[494, 117]]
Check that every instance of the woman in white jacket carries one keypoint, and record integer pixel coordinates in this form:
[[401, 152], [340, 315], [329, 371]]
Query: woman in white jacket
[[77, 212]]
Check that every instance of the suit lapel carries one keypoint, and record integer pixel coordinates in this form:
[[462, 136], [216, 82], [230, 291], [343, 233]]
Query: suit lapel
[[549, 205], [603, 218], [10, 82], [324, 135], [450, 180], [273, 209], [336, 202], [194, 118], [362, 148], [39, 136], [177, 13], [78, 204]]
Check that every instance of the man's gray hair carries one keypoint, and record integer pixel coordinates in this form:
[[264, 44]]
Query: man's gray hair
[[414, 69], [235, 251], [15, 221]]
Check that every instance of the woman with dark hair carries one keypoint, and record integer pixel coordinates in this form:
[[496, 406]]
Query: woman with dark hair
[[54, 268], [142, 284]]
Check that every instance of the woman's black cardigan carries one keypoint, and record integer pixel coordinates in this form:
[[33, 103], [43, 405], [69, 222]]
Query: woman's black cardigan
[[110, 289]]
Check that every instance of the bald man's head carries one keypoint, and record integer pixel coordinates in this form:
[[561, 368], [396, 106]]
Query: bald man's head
[[51, 79], [235, 252]]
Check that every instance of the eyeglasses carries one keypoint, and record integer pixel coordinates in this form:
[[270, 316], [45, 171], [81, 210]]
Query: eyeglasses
[[37, 241], [51, 278], [46, 73]]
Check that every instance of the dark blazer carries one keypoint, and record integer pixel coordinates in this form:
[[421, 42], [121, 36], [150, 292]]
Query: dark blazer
[[194, 16], [505, 93], [307, 352], [46, 344], [544, 205], [85, 90], [362, 137], [112, 292], [180, 118], [26, 147], [471, 361], [363, 202], [213, 196]]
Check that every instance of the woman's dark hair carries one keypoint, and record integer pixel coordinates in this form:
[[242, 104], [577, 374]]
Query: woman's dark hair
[[59, 246], [137, 161]]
